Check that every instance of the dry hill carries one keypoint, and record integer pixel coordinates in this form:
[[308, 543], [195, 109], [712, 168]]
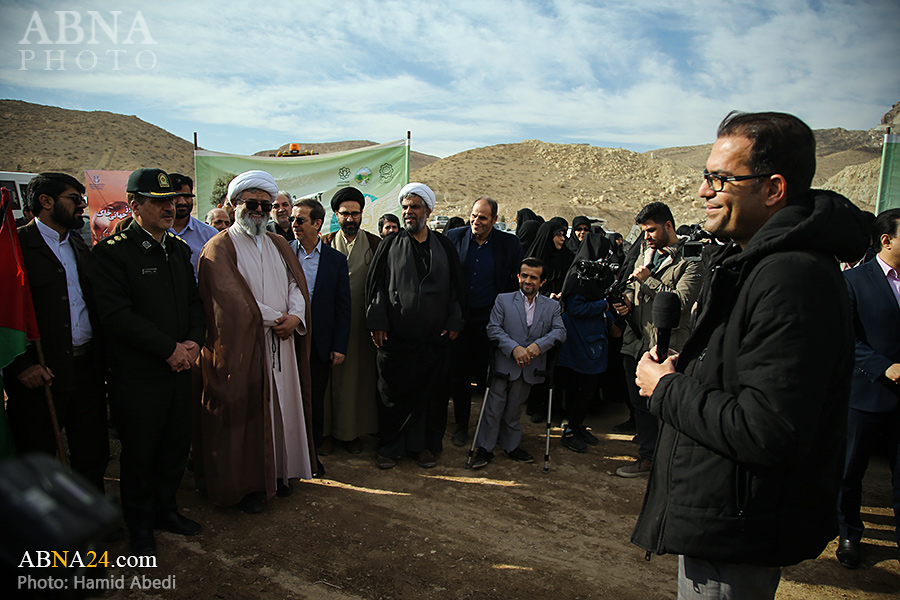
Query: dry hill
[[552, 179]]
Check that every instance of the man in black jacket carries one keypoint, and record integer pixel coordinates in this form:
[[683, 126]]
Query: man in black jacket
[[58, 263], [754, 408]]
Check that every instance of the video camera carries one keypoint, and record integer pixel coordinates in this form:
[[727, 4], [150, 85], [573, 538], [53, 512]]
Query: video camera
[[692, 251]]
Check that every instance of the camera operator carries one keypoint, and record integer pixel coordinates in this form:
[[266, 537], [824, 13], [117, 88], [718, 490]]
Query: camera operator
[[661, 267]]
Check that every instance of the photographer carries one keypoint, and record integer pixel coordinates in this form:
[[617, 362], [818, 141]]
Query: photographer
[[661, 267]]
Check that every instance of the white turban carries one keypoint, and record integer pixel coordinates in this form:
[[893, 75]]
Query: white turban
[[422, 191], [253, 179]]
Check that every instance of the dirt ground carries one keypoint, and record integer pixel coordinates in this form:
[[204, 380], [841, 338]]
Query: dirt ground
[[504, 531]]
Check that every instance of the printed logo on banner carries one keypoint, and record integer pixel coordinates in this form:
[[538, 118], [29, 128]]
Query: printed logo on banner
[[386, 172], [344, 173], [95, 178], [364, 176]]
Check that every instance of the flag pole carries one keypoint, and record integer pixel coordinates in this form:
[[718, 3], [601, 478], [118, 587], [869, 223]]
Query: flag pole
[[49, 395]]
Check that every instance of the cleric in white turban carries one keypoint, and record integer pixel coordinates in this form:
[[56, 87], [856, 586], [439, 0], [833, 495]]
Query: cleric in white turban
[[253, 180], [422, 191]]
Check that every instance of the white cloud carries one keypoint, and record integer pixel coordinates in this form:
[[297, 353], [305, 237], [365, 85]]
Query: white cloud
[[458, 74]]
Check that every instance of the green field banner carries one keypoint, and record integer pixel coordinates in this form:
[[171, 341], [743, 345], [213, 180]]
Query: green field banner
[[889, 180], [379, 172]]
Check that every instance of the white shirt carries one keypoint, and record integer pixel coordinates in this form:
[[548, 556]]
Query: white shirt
[[529, 309], [78, 313], [310, 264]]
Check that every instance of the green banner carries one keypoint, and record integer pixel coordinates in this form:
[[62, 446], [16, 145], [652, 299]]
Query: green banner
[[889, 180], [379, 172]]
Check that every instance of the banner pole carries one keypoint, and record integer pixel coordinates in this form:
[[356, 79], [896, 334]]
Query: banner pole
[[196, 147]]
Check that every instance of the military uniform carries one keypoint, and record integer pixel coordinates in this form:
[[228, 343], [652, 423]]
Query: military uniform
[[148, 302]]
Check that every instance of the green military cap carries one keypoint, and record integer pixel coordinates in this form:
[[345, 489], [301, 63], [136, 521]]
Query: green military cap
[[153, 183]]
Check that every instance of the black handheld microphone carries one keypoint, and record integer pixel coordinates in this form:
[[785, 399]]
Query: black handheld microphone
[[666, 314]]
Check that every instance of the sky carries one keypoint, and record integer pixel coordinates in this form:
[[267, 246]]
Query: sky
[[457, 74]]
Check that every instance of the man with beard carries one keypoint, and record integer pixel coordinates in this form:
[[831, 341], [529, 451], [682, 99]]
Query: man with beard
[[192, 231], [58, 263], [388, 223], [415, 298], [154, 325], [660, 268], [353, 381], [525, 325], [281, 216], [255, 416]]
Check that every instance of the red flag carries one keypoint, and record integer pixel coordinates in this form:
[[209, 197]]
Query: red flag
[[17, 321]]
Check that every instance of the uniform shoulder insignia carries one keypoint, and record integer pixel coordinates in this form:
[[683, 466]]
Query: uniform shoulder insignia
[[124, 235], [117, 237]]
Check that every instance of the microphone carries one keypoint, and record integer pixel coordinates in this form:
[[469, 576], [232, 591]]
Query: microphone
[[666, 315]]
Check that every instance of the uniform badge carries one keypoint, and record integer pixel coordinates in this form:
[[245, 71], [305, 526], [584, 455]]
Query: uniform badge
[[147, 245]]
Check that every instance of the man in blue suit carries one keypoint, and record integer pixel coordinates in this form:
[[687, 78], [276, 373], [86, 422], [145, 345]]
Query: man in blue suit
[[490, 259], [329, 294], [525, 326], [874, 413]]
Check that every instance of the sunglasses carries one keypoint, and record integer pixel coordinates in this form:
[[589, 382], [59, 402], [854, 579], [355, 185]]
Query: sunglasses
[[300, 220], [254, 205]]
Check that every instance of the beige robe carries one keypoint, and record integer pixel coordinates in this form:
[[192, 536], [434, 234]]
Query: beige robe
[[351, 392], [254, 421]]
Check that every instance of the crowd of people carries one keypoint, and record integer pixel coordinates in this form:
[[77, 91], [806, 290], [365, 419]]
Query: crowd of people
[[259, 345]]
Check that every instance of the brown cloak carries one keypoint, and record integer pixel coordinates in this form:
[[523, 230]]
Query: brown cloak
[[236, 449]]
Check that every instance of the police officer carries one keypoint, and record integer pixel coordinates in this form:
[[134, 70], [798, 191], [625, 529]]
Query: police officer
[[149, 304]]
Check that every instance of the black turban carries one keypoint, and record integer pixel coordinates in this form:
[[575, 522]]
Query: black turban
[[347, 194]]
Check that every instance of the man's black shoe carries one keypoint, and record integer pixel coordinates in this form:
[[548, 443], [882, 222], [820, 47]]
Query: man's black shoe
[[250, 504], [574, 442], [848, 553], [426, 459], [482, 458], [283, 488], [142, 543], [589, 438], [385, 462], [176, 523], [626, 427], [320, 470], [520, 455]]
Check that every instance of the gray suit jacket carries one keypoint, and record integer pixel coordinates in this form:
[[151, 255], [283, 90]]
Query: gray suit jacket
[[507, 327]]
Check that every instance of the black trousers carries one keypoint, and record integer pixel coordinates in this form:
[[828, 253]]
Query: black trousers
[[154, 421], [470, 354], [412, 415], [80, 411], [867, 432], [320, 372], [581, 388], [645, 423]]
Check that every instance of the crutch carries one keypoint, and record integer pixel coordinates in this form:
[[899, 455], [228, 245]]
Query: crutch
[[547, 374], [487, 389]]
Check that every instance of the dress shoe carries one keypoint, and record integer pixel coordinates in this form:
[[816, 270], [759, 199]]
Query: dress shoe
[[283, 488], [326, 447], [460, 436], [482, 458], [250, 504], [571, 440], [848, 553], [320, 470], [626, 427], [142, 543], [176, 523], [586, 436], [426, 459], [384, 462], [520, 455], [354, 446], [639, 468]]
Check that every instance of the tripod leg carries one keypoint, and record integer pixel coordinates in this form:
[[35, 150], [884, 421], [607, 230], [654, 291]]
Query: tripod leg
[[547, 437]]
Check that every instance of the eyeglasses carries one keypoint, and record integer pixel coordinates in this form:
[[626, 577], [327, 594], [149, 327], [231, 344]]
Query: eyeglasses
[[351, 214], [76, 199], [582, 229], [300, 220], [716, 182], [254, 205], [560, 233]]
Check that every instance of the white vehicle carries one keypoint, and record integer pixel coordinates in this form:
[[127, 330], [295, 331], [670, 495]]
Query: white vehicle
[[501, 225], [16, 183]]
